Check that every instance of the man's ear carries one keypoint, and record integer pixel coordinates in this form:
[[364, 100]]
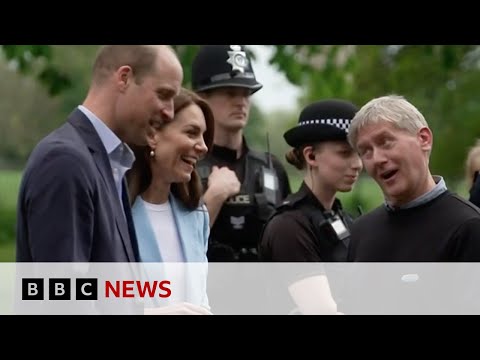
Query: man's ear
[[425, 138], [123, 77]]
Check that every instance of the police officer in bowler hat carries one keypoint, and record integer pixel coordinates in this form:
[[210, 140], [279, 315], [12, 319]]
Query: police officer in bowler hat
[[311, 225]]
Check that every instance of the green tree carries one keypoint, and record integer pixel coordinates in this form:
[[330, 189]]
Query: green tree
[[29, 109], [38, 61], [441, 80]]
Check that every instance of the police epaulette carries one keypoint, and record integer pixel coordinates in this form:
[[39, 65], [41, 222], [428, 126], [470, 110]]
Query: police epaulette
[[286, 204]]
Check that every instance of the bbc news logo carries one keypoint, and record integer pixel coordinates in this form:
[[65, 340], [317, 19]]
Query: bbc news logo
[[87, 289], [59, 289]]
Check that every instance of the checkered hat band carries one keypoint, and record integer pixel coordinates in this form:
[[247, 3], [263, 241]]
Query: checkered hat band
[[343, 124]]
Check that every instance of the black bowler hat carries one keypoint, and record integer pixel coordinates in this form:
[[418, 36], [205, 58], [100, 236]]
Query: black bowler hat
[[217, 66], [325, 120]]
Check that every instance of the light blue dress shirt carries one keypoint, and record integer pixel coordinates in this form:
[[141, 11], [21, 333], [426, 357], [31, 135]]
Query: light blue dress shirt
[[120, 155]]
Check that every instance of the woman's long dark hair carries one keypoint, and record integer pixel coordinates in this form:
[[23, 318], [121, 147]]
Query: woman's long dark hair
[[140, 176]]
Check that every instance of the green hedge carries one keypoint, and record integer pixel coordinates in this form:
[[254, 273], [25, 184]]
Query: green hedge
[[9, 184], [366, 195]]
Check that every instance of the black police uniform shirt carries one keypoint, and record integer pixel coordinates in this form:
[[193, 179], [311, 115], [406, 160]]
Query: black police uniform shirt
[[292, 236], [299, 232], [239, 223]]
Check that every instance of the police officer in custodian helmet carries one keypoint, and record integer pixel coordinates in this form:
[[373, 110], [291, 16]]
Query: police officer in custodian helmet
[[243, 186]]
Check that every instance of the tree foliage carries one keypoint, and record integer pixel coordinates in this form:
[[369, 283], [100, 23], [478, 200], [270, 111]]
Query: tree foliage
[[441, 80], [37, 60]]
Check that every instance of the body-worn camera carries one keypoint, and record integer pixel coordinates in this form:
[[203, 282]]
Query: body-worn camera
[[269, 184], [336, 226]]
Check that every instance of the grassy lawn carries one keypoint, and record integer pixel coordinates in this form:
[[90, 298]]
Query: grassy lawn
[[9, 184], [7, 252]]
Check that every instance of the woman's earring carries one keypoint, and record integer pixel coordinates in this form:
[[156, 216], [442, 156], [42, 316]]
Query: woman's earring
[[152, 153]]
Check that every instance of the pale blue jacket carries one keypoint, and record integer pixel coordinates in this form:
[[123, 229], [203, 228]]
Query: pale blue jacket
[[193, 231]]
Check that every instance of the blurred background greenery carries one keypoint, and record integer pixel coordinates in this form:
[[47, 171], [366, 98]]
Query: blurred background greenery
[[41, 84]]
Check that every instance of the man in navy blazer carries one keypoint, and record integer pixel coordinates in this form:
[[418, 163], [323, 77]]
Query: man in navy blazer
[[73, 206]]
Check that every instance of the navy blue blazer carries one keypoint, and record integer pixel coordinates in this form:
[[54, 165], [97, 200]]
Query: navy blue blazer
[[68, 207]]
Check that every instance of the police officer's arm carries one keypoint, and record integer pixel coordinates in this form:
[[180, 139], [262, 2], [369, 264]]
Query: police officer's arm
[[312, 296], [283, 181], [288, 237], [222, 184]]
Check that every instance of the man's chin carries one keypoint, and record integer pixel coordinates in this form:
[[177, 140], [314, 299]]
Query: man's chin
[[237, 125]]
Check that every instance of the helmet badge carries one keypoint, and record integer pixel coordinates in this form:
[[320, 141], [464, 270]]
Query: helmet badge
[[237, 58]]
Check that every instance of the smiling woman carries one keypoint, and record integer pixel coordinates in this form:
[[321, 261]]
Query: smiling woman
[[167, 163], [170, 223]]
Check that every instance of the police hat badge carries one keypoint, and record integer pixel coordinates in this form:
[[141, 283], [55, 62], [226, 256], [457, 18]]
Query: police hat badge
[[217, 66], [237, 58]]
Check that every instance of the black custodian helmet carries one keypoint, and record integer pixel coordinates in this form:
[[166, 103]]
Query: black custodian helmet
[[325, 120], [217, 66]]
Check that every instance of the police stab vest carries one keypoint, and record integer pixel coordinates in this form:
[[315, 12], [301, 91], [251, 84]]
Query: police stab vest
[[242, 217], [331, 229]]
